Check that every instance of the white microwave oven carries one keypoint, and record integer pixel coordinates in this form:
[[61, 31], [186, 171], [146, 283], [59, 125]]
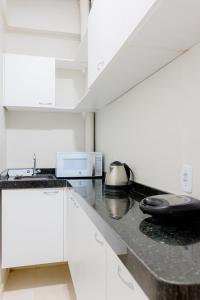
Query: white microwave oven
[[79, 164]]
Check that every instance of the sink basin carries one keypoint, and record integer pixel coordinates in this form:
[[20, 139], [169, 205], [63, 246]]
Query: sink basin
[[35, 177]]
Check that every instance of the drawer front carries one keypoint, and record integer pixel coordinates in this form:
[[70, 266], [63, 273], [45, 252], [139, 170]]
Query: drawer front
[[121, 284]]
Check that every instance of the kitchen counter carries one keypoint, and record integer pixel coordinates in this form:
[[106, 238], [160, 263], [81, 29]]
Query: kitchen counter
[[12, 183], [163, 258]]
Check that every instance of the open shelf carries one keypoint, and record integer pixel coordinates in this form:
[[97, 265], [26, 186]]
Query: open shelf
[[69, 64], [82, 53], [69, 88]]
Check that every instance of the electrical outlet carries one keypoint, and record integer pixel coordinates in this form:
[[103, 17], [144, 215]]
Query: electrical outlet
[[186, 179]]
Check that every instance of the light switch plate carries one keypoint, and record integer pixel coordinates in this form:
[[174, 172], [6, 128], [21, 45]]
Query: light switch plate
[[186, 179]]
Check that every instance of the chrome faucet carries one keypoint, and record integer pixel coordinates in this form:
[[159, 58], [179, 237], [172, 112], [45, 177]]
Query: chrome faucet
[[35, 171], [34, 164]]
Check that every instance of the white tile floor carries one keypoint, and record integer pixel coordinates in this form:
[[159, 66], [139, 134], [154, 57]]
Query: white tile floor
[[40, 283]]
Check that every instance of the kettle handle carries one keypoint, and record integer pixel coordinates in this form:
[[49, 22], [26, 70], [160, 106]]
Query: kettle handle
[[129, 172], [131, 202]]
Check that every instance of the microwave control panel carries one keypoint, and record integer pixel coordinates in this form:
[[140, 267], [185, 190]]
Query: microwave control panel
[[98, 164]]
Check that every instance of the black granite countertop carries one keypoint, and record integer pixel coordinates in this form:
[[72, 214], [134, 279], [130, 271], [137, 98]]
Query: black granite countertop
[[7, 182], [163, 257]]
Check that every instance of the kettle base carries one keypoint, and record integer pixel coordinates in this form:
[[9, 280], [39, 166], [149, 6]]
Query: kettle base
[[120, 187]]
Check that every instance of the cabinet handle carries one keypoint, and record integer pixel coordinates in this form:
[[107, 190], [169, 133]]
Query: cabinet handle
[[51, 193], [100, 65], [97, 240], [75, 204], [45, 103], [128, 284]]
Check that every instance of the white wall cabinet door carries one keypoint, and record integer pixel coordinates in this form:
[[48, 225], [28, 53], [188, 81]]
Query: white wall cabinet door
[[29, 81], [32, 227], [110, 24], [120, 283], [87, 255]]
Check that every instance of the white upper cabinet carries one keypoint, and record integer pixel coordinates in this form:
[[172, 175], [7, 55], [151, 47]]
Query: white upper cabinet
[[130, 40], [29, 81], [110, 24], [42, 83]]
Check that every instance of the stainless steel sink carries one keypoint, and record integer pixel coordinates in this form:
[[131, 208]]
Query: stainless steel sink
[[35, 177]]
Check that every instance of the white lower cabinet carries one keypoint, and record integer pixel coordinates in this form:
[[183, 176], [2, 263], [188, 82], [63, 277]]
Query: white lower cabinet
[[87, 255], [96, 270], [65, 223], [32, 226], [120, 283], [48, 225]]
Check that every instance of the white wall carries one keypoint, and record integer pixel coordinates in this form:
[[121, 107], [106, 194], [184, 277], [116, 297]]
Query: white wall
[[3, 273], [50, 15], [31, 131], [155, 127], [2, 112], [43, 134]]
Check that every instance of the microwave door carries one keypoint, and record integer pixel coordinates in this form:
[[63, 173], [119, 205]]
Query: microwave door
[[76, 164], [77, 167]]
